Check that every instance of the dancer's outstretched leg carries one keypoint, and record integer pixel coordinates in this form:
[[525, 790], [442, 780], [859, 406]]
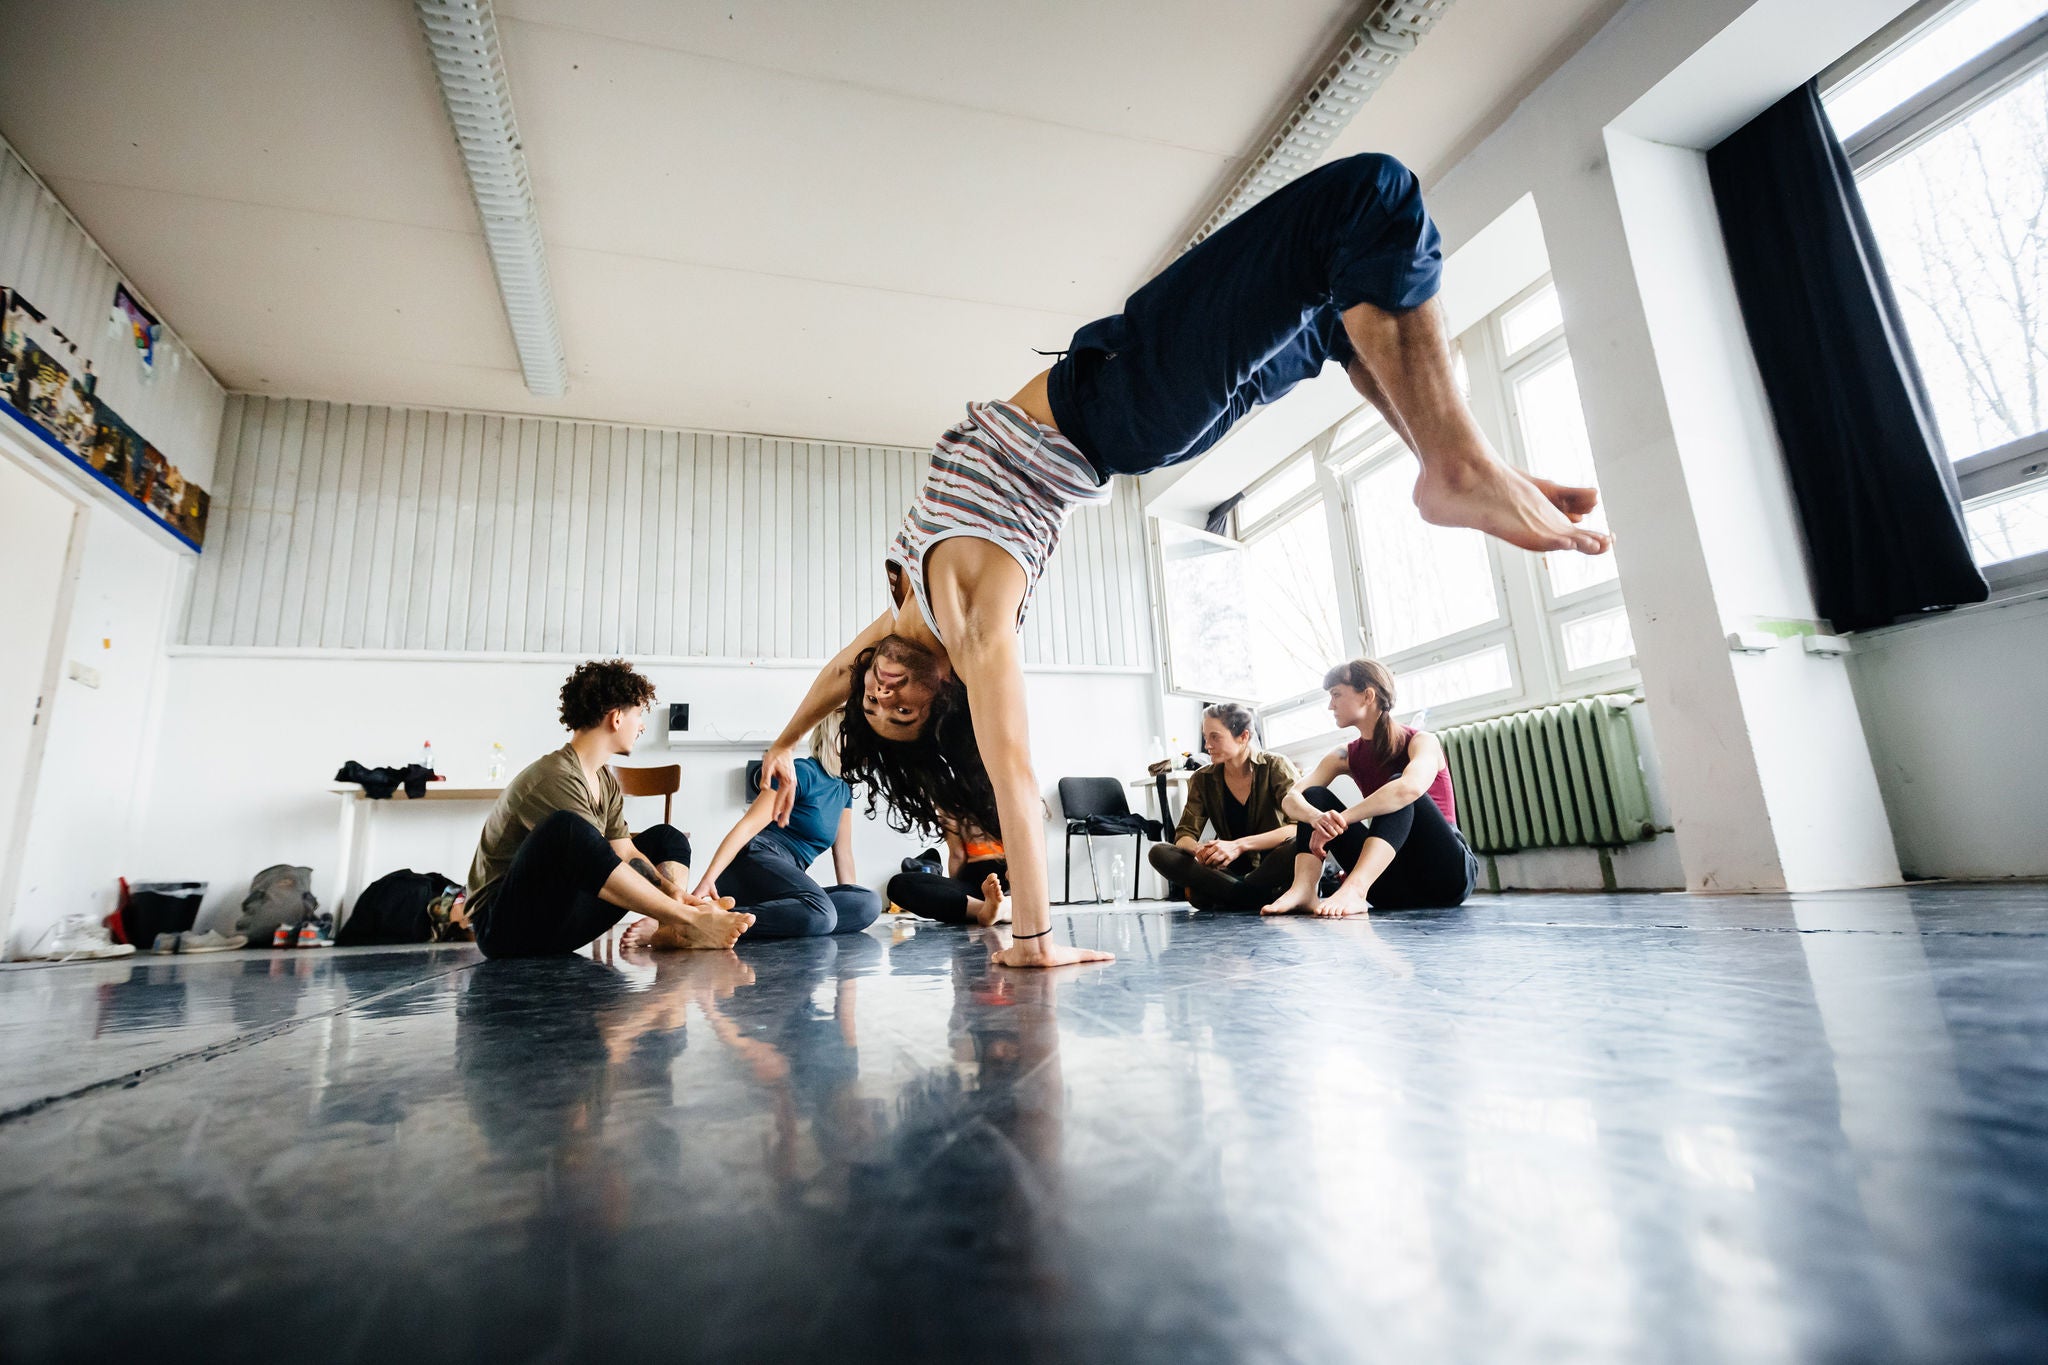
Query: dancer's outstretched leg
[[1403, 367]]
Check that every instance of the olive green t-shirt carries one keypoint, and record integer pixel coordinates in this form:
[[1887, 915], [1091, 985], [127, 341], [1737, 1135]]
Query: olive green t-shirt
[[543, 787]]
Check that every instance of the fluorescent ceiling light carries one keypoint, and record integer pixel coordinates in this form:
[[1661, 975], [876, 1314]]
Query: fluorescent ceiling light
[[1387, 33], [462, 36]]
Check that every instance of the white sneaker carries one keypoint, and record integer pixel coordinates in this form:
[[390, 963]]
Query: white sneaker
[[77, 938], [212, 941]]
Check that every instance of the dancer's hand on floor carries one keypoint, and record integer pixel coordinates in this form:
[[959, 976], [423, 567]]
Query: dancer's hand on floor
[[1043, 952]]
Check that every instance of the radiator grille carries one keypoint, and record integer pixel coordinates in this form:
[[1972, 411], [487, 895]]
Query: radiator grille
[[1553, 777]]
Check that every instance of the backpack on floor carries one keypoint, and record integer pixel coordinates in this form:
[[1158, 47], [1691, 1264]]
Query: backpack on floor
[[396, 908], [278, 895]]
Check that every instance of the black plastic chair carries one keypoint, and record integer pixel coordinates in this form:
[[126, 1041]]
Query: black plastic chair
[[1096, 805]]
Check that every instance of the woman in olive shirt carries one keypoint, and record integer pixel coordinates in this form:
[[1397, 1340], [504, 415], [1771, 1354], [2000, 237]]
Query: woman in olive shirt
[[1252, 856]]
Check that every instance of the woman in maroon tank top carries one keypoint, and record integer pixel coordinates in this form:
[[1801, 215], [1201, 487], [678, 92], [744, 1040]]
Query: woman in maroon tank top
[[1399, 846]]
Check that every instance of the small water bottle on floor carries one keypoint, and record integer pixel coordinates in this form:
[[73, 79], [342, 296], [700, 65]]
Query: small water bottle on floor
[[497, 761]]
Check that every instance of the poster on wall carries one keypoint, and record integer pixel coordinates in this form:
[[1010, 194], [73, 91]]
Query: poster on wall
[[51, 389], [131, 319]]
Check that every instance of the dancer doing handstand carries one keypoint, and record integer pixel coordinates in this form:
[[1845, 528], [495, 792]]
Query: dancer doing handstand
[[1342, 265]]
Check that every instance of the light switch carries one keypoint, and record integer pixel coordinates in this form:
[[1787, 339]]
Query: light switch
[[84, 674]]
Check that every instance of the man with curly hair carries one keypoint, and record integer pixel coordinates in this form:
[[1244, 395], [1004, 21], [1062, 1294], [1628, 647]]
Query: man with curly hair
[[555, 867], [1340, 267]]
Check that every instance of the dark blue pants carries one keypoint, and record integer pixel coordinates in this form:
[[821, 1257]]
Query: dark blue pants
[[1244, 317], [768, 883]]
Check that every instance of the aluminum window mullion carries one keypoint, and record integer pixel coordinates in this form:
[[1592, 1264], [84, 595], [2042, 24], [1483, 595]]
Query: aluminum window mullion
[[2002, 467], [1950, 99]]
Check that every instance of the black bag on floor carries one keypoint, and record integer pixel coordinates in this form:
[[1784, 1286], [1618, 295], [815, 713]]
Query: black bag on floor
[[152, 908], [394, 909]]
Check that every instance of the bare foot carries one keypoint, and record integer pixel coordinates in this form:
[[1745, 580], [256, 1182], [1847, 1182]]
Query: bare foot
[[706, 928], [993, 909], [1505, 503], [641, 933], [1342, 903], [1293, 898]]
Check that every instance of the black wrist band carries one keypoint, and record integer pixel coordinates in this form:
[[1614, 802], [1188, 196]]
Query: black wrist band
[[1040, 934]]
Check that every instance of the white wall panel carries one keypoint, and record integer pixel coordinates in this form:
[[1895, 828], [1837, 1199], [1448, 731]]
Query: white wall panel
[[46, 255], [351, 527]]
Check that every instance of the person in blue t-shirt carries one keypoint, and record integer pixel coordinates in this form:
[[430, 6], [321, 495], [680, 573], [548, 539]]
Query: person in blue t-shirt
[[762, 866]]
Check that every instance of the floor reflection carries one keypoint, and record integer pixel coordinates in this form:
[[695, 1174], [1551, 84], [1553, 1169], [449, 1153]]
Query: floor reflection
[[1570, 1128]]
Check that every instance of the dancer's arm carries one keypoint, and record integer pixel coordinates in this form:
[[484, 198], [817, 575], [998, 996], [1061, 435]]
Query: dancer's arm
[[1332, 766], [827, 694], [751, 823], [842, 850]]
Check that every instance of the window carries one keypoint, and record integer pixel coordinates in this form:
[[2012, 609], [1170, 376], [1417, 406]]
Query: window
[[1295, 632], [1947, 127], [1330, 561], [1208, 619]]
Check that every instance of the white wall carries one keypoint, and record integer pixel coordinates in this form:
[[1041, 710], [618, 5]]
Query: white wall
[[1953, 709], [1769, 781], [88, 807], [353, 527], [250, 742]]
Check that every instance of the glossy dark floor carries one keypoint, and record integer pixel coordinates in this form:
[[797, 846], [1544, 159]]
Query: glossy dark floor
[[1628, 1128]]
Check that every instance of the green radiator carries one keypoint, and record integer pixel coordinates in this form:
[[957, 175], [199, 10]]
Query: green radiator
[[1554, 777]]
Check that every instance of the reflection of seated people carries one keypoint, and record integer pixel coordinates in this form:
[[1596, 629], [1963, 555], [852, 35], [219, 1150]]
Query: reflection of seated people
[[555, 867], [974, 886], [1251, 858], [761, 866], [1400, 846]]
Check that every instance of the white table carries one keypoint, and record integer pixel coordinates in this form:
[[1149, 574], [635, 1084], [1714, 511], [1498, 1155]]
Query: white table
[[353, 850], [1175, 777]]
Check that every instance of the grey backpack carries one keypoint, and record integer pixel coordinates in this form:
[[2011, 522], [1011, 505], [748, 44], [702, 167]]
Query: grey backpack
[[277, 895]]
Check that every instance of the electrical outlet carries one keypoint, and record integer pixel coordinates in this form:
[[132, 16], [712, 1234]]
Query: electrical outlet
[[84, 674]]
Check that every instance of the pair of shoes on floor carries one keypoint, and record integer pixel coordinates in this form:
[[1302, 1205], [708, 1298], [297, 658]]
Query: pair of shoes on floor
[[314, 932], [77, 938], [189, 942]]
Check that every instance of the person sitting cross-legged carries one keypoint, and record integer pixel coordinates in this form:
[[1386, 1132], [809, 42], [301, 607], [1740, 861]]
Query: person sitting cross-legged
[[555, 867], [1239, 795], [762, 867], [1400, 846]]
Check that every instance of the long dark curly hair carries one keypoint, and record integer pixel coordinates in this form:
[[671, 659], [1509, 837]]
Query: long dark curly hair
[[919, 783]]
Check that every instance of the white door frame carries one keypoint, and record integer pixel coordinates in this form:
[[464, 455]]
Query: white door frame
[[14, 842]]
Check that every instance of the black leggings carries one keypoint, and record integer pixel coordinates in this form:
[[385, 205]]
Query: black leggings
[[1431, 867], [945, 898], [1246, 884], [548, 902], [768, 883]]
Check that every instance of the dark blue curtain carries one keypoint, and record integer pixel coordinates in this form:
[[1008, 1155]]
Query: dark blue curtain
[[1876, 496]]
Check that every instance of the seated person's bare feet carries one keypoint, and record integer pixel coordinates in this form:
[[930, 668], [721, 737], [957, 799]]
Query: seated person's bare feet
[[994, 910], [1500, 500], [1341, 903], [1293, 898], [707, 924]]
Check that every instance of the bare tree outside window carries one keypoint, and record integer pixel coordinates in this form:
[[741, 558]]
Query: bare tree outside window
[[1962, 221]]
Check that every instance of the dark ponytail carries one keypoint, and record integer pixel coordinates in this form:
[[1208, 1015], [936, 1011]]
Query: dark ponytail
[[1369, 675]]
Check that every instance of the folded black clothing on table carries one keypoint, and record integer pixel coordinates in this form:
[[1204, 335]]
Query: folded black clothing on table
[[379, 783]]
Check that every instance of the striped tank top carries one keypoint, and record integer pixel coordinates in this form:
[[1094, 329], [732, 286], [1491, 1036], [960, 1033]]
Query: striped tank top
[[999, 477]]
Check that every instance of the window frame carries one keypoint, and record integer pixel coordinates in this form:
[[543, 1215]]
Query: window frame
[[2022, 462]]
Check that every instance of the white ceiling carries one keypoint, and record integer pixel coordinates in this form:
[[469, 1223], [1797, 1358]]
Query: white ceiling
[[807, 218]]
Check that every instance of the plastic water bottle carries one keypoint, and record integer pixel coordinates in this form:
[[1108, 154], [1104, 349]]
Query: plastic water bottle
[[427, 754], [497, 761]]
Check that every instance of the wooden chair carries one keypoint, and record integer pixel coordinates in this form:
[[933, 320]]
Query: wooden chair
[[662, 782]]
